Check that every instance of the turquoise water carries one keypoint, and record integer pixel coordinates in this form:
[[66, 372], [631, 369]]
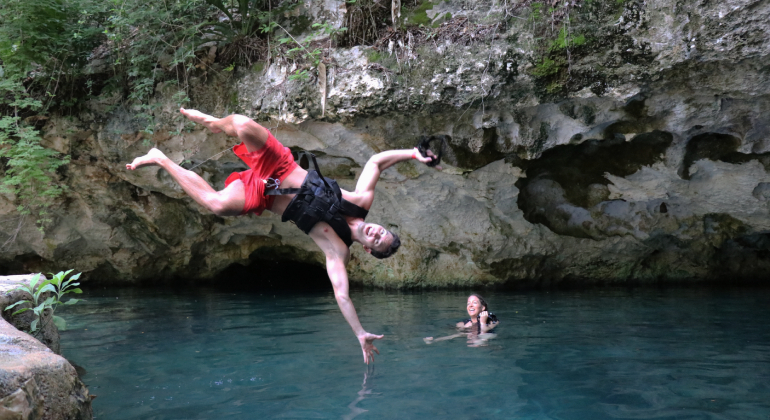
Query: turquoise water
[[595, 354]]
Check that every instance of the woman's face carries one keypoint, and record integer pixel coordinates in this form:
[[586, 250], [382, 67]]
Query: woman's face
[[474, 307]]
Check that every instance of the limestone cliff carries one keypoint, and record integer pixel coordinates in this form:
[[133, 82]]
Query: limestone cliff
[[631, 144]]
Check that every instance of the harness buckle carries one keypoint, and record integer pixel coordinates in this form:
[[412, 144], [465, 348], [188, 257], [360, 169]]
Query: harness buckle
[[272, 183]]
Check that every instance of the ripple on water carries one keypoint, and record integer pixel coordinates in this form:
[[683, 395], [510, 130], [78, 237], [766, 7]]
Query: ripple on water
[[601, 354]]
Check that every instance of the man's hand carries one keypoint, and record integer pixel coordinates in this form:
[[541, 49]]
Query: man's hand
[[367, 345], [425, 159]]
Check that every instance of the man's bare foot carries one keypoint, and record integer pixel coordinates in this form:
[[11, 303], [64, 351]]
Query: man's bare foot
[[153, 157], [200, 118]]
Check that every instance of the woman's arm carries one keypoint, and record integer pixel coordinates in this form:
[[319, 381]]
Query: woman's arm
[[483, 318], [487, 328], [430, 340]]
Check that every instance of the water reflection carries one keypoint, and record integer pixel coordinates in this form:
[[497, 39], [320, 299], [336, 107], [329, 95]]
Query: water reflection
[[362, 394], [598, 354], [474, 339]]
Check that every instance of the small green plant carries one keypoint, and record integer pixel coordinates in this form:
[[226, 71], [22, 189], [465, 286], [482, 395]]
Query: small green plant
[[303, 47], [566, 40], [300, 75], [556, 43], [546, 67], [536, 13], [58, 287]]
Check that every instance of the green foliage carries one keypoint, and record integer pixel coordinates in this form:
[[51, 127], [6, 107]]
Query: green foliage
[[419, 15], [246, 17], [566, 40], [50, 51], [546, 67], [55, 33], [57, 286], [171, 37], [304, 50], [326, 29], [536, 14], [555, 44], [258, 67], [44, 48], [30, 174], [300, 75], [373, 56]]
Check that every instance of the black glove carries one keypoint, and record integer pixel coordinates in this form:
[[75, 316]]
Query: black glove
[[425, 144]]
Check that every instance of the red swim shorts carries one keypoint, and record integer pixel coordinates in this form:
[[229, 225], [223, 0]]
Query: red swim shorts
[[271, 161]]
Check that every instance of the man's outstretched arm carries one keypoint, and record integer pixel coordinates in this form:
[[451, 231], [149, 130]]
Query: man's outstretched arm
[[378, 163], [338, 275]]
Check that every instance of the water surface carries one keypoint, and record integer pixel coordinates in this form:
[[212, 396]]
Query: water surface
[[595, 354]]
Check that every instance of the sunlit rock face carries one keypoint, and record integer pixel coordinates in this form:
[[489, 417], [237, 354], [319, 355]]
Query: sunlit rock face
[[642, 158]]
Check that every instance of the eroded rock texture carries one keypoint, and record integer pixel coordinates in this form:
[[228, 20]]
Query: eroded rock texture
[[35, 382], [639, 154]]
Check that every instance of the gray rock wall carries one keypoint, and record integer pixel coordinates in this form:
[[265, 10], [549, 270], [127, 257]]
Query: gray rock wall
[[35, 382], [641, 155]]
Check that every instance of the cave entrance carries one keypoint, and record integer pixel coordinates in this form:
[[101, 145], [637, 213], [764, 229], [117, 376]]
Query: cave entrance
[[576, 167], [718, 147], [274, 274], [579, 171]]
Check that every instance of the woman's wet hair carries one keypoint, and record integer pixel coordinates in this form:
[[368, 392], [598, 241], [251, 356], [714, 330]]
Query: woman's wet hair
[[481, 301], [391, 250]]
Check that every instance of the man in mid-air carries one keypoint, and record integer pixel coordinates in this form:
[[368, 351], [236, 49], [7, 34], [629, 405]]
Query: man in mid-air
[[333, 217]]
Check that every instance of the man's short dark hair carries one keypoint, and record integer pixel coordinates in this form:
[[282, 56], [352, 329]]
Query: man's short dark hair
[[390, 251]]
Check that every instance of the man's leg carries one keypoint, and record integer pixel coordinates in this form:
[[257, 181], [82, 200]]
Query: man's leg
[[228, 202], [249, 132]]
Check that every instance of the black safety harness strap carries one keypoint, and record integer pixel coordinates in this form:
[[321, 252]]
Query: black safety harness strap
[[345, 206], [284, 191]]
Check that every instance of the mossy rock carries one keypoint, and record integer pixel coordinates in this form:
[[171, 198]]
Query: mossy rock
[[419, 15]]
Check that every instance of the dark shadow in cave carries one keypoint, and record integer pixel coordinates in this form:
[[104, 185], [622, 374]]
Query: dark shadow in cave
[[273, 274], [743, 259], [711, 146], [462, 157], [577, 167], [717, 147]]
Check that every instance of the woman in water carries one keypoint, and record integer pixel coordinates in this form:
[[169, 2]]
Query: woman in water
[[477, 327]]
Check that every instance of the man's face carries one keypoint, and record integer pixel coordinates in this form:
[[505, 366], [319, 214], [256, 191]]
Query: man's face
[[375, 237]]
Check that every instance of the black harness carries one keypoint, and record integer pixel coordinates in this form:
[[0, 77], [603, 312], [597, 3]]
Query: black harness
[[319, 199], [491, 319]]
